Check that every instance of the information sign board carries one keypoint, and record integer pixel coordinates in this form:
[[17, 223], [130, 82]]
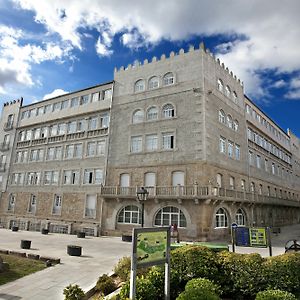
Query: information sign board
[[242, 236], [258, 237]]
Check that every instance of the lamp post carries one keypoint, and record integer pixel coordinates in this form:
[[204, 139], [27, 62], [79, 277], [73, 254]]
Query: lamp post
[[142, 195]]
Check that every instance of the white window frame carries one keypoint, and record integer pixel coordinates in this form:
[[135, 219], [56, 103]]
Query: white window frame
[[168, 141], [170, 215], [151, 142], [136, 144], [129, 214], [139, 86], [221, 218], [152, 113], [137, 116]]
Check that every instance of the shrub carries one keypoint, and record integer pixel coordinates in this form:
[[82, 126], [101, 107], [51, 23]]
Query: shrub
[[122, 268], [200, 288], [105, 284], [283, 272], [145, 290], [241, 274], [194, 261], [73, 292], [275, 295]]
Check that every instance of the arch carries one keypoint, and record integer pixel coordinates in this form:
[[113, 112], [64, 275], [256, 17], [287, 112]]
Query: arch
[[137, 116], [129, 214], [168, 79], [235, 125], [227, 91], [234, 97], [152, 113], [220, 85], [139, 85], [168, 111], [229, 121], [240, 217], [221, 218], [222, 118], [153, 83], [168, 215]]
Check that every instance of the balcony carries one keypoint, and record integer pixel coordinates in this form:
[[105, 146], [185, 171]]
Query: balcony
[[4, 146], [8, 126], [196, 193], [2, 167]]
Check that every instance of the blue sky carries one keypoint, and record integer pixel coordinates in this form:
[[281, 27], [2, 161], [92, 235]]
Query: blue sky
[[53, 46]]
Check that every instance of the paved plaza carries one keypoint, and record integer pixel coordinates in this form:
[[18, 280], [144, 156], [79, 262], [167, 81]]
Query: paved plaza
[[99, 255]]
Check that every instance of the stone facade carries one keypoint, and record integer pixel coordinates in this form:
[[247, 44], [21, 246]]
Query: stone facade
[[180, 126]]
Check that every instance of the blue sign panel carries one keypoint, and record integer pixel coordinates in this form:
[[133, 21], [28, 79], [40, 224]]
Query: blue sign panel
[[242, 237]]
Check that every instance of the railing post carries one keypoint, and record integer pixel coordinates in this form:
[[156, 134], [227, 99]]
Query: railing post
[[154, 191], [195, 190], [178, 190]]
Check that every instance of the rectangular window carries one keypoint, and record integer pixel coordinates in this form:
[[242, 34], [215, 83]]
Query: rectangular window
[[61, 128], [56, 106], [69, 151], [237, 152], [91, 149], [51, 177], [151, 142], [95, 97], [251, 158], [222, 145], [93, 176], [48, 108], [53, 130], [74, 102], [88, 176], [243, 184], [11, 202], [273, 168], [107, 94], [258, 161], [37, 133], [72, 127], [57, 203], [93, 123], [32, 204], [81, 125], [100, 147], [90, 206], [230, 149], [84, 99], [77, 150], [136, 144], [64, 104], [33, 178], [167, 141], [104, 121], [71, 177]]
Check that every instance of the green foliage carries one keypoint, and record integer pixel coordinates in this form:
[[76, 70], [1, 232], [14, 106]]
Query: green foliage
[[145, 290], [194, 261], [241, 274], [283, 272], [73, 292], [200, 289], [275, 295], [122, 268], [105, 284]]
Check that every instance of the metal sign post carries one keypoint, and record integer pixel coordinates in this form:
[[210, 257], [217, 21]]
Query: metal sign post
[[233, 233], [150, 247]]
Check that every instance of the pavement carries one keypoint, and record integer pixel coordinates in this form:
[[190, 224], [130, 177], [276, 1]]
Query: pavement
[[99, 255]]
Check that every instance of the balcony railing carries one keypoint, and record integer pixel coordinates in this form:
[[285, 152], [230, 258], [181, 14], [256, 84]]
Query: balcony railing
[[198, 192]]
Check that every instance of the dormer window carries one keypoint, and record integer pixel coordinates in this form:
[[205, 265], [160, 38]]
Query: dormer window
[[139, 86]]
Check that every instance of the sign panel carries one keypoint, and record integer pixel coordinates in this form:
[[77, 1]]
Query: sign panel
[[151, 246], [258, 237], [242, 236]]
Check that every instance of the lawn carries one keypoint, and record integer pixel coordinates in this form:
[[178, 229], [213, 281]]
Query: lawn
[[19, 267]]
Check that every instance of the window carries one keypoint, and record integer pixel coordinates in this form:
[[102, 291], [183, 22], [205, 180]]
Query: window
[[104, 121], [234, 97], [32, 113], [266, 165], [170, 215], [28, 135], [37, 155], [227, 91], [251, 158], [167, 141], [64, 104], [222, 145], [51, 177], [168, 79], [268, 191], [168, 111], [258, 161], [219, 180], [130, 214], [124, 180], [95, 97], [57, 203], [81, 125], [221, 116], [48, 108], [33, 178], [139, 86], [74, 102], [90, 206], [71, 177], [61, 128], [17, 179], [136, 144], [153, 83], [56, 106], [53, 130], [151, 142], [93, 123], [221, 218], [243, 184], [93, 176], [138, 116], [273, 168], [44, 132], [73, 151], [252, 187], [149, 179], [229, 122], [84, 99], [260, 189], [220, 85], [107, 94], [237, 152], [240, 217], [230, 149], [72, 127], [11, 202], [235, 125], [32, 204], [231, 183], [54, 153], [177, 178], [152, 113]]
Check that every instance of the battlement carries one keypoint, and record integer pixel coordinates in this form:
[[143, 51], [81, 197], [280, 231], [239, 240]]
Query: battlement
[[18, 101], [202, 48]]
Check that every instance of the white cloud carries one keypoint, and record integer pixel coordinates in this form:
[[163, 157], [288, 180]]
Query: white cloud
[[55, 93], [295, 83], [279, 84], [262, 36]]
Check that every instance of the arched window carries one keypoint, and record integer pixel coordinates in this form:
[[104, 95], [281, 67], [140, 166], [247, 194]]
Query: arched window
[[152, 113], [222, 116], [139, 86], [138, 116], [168, 79], [221, 218], [240, 217], [234, 97], [168, 111], [170, 215], [130, 214], [227, 91], [220, 85], [231, 183], [252, 187], [153, 83], [219, 179], [235, 125], [229, 121]]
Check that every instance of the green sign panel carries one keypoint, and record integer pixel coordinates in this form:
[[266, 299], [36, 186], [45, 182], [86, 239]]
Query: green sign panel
[[258, 237], [151, 246]]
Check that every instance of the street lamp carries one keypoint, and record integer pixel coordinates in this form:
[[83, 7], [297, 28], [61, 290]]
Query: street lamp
[[142, 195]]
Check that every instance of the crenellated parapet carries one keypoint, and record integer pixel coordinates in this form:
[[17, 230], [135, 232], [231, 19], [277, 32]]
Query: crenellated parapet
[[202, 49], [17, 101]]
